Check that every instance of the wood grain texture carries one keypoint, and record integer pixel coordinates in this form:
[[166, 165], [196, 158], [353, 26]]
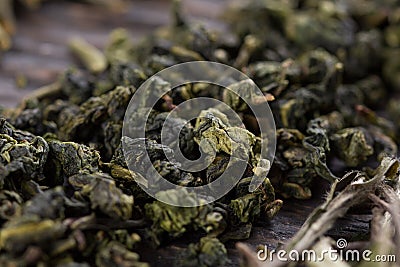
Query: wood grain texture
[[40, 54]]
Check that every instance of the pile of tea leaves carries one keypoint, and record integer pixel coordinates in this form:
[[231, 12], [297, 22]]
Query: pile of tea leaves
[[330, 73]]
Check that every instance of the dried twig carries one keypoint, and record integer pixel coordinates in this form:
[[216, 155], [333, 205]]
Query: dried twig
[[323, 217]]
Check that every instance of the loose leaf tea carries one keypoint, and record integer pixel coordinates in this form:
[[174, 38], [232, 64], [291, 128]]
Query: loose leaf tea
[[329, 70], [208, 252]]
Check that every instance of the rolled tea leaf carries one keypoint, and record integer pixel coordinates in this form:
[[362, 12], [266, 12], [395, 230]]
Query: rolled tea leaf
[[91, 57]]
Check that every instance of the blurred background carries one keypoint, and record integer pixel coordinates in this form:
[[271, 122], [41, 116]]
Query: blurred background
[[39, 52]]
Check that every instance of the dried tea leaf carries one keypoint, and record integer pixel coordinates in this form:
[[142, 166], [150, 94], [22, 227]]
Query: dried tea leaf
[[106, 197], [91, 57], [207, 252], [115, 254], [173, 221], [18, 234], [69, 158], [49, 204], [353, 145], [23, 155], [10, 205]]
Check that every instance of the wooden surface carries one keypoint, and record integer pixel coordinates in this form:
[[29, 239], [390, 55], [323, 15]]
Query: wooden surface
[[40, 54]]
